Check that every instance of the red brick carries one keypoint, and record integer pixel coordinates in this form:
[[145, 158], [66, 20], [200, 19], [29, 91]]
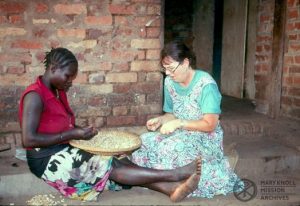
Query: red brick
[[261, 78], [294, 91], [70, 8], [292, 36], [287, 81], [296, 80], [121, 120], [96, 8], [12, 7], [96, 78], [121, 20], [143, 32], [297, 26], [293, 14], [262, 38], [25, 44], [264, 18], [294, 69], [286, 100], [146, 88], [121, 9], [153, 9], [2, 70], [121, 67], [40, 56], [119, 100], [78, 33], [290, 26], [122, 88], [145, 66], [118, 55], [96, 101], [120, 110], [95, 20], [152, 21], [153, 54], [291, 3], [288, 59], [41, 8], [12, 31], [153, 32], [297, 59], [267, 47], [40, 33], [15, 19], [285, 69], [128, 31], [81, 78], [296, 102], [3, 19], [148, 1], [146, 43], [20, 57], [141, 54], [15, 70], [154, 99], [259, 48]]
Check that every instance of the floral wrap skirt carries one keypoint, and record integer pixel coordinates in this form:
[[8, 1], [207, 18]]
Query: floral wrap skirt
[[78, 174]]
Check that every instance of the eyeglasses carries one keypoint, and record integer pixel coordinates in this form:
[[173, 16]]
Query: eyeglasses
[[163, 69]]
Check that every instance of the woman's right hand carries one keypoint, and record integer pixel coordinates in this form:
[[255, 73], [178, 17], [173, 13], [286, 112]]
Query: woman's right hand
[[84, 133], [154, 123]]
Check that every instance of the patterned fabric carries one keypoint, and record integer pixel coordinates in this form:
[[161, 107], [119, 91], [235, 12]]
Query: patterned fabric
[[183, 146], [78, 174]]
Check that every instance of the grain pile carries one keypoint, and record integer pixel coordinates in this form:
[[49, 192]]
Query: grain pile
[[109, 142], [44, 200]]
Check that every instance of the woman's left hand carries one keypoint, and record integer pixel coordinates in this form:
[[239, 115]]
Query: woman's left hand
[[170, 126], [83, 133]]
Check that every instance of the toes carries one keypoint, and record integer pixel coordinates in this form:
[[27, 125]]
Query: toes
[[185, 188], [199, 165]]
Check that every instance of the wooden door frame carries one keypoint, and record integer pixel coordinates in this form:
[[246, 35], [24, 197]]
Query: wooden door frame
[[278, 44]]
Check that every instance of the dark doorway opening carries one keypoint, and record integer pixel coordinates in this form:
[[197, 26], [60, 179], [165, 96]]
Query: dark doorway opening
[[217, 45]]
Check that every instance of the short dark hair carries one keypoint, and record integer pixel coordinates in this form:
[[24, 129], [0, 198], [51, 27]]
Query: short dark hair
[[178, 51], [59, 57]]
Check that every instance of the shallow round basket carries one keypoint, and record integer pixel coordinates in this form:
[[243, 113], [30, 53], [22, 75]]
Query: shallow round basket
[[109, 143]]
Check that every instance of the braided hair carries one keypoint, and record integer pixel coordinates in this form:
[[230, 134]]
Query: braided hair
[[59, 57]]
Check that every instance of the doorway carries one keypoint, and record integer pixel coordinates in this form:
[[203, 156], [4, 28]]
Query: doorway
[[222, 34]]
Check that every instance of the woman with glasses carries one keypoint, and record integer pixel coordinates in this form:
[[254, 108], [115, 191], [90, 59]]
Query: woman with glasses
[[190, 125]]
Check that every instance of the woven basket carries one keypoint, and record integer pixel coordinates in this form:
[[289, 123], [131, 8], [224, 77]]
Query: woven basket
[[109, 143]]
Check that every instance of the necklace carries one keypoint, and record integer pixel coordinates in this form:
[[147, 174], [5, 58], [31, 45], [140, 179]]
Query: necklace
[[56, 94]]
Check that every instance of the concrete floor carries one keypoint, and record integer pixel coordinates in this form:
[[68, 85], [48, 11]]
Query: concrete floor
[[260, 149]]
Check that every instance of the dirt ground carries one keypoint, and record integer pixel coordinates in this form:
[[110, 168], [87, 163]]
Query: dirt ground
[[267, 153]]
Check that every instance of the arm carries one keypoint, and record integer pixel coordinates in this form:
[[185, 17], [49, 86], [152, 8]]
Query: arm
[[32, 111], [154, 123], [209, 102], [207, 124]]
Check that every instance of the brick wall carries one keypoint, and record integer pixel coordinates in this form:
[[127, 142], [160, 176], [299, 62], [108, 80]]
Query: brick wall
[[263, 53], [290, 102], [117, 44], [290, 97]]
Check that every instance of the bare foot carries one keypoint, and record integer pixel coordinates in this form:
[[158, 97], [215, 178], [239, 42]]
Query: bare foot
[[186, 171], [186, 188]]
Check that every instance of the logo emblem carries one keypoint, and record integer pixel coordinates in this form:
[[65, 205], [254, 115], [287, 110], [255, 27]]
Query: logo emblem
[[247, 193]]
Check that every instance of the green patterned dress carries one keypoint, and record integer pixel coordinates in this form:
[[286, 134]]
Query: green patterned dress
[[183, 146]]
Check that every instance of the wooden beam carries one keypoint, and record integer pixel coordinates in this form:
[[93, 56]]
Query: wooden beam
[[275, 85]]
